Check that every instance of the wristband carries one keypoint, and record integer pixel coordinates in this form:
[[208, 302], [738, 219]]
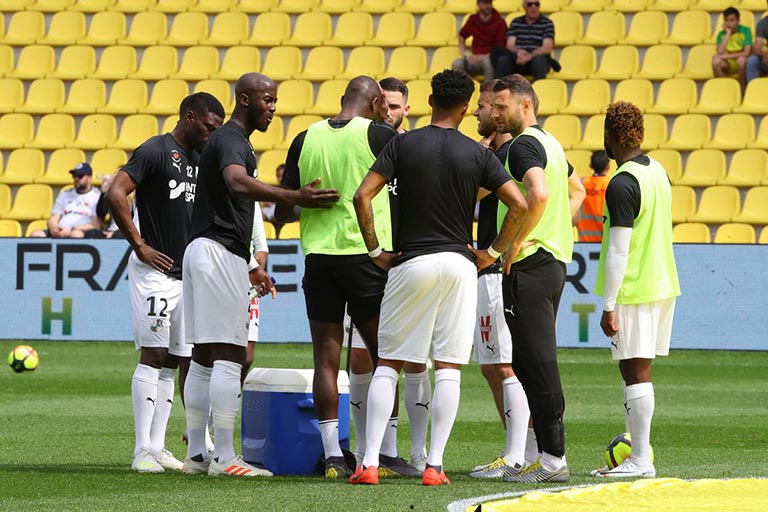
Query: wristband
[[376, 252], [493, 253], [252, 264]]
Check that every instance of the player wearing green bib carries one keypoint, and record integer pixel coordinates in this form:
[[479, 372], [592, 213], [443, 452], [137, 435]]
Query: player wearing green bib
[[636, 276]]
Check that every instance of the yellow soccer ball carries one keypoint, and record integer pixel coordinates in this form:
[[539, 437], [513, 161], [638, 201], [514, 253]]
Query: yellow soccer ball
[[618, 449], [23, 358]]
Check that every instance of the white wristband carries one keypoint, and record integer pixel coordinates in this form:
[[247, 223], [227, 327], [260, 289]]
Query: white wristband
[[252, 263], [376, 252], [493, 253]]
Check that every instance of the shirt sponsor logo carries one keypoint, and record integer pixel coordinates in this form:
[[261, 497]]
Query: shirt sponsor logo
[[183, 187]]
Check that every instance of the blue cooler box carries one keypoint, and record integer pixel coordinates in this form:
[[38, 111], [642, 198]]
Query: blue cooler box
[[280, 429]]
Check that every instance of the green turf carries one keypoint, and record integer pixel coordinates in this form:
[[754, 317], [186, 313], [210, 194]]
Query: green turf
[[67, 434]]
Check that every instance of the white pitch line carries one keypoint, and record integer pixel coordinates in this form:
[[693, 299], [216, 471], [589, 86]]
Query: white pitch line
[[461, 505]]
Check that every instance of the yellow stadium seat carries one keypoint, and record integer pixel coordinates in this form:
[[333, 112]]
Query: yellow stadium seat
[[593, 138], [157, 63], [468, 127], [92, 5], [54, 131], [442, 58], [458, 6], [587, 6], [86, 96], [297, 125], [147, 29], [661, 62], [569, 28], [67, 27], [213, 6], [25, 28], [763, 236], [683, 203], [754, 97], [703, 168], [634, 6], [296, 6], [188, 29], [328, 100], [566, 129], [364, 60], [604, 28], [6, 59], [761, 141], [270, 29], [407, 63], [135, 129], [46, 5], [16, 130], [268, 163], [199, 63], [236, 59], [676, 96], [134, 6], [577, 63], [60, 163], [295, 97], [717, 205], [32, 202], [690, 28], [618, 63], [106, 29], [378, 6], [635, 90], [290, 231], [166, 97], [691, 233], [394, 29], [5, 199], [580, 159], [733, 131], [671, 5], [352, 29], [17, 5], [263, 141], [10, 228], [748, 168], [220, 89], [229, 28], [11, 94], [689, 132], [282, 63], [553, 96], [108, 161], [419, 6], [655, 131], [421, 122], [97, 131], [255, 6], [311, 29], [75, 62], [751, 5], [718, 96], [671, 160], [698, 64], [736, 233], [647, 28], [127, 96], [418, 96], [269, 230], [323, 63], [116, 62], [337, 6], [435, 29], [588, 97], [36, 225], [35, 61], [23, 166]]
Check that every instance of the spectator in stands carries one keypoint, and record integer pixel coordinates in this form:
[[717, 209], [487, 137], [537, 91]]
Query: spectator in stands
[[757, 63], [75, 209], [591, 219], [487, 29], [734, 44], [529, 45], [268, 209]]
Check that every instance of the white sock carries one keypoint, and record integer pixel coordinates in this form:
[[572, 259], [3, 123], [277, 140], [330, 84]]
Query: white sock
[[198, 407], [144, 398], [381, 398], [418, 395], [208, 438], [639, 413], [516, 416], [445, 405], [531, 447], [552, 463], [626, 420], [389, 443], [165, 390], [358, 404], [329, 432], [225, 404]]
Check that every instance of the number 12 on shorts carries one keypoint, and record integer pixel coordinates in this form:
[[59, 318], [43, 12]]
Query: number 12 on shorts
[[163, 303]]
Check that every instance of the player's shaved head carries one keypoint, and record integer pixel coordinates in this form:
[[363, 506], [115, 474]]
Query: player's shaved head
[[363, 97], [255, 99], [250, 82]]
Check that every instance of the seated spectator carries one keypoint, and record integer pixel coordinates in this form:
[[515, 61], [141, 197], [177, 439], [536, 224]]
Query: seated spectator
[[487, 29], [268, 209], [734, 44], [591, 219], [529, 44], [74, 211], [757, 63]]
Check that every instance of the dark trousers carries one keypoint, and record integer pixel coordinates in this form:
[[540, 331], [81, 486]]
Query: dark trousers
[[531, 298], [537, 67]]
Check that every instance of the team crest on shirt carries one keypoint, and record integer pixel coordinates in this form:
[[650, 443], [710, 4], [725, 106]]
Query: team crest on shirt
[[176, 159]]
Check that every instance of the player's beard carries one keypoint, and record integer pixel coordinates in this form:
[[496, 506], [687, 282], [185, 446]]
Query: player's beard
[[486, 126]]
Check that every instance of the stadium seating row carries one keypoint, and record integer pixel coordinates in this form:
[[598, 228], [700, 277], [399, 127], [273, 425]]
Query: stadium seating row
[[719, 204], [730, 233], [26, 165]]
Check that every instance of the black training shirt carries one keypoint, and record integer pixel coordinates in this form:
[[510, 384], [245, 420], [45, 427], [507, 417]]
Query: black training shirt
[[525, 153], [486, 219], [439, 172], [623, 196], [218, 214], [165, 175]]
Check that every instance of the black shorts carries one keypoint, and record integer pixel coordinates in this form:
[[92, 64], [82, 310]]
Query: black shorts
[[332, 283]]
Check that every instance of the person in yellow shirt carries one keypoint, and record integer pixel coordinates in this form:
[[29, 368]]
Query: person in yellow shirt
[[734, 45]]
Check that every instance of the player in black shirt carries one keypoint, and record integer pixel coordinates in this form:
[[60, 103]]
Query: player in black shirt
[[431, 294], [163, 172], [216, 274]]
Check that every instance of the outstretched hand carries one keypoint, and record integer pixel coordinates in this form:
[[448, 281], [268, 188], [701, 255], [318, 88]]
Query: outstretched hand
[[309, 196]]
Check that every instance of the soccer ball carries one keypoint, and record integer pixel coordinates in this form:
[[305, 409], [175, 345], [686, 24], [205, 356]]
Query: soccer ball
[[23, 358], [619, 449]]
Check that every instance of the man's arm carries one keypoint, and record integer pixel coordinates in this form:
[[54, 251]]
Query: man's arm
[[371, 185], [723, 42], [53, 225], [758, 47], [517, 209], [576, 193], [545, 48], [616, 259], [511, 43], [240, 184], [462, 45], [537, 195]]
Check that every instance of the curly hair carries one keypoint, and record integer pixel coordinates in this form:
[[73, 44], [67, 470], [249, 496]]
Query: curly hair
[[624, 122], [452, 89]]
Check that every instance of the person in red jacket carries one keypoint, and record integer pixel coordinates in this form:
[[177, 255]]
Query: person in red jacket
[[487, 29], [591, 221]]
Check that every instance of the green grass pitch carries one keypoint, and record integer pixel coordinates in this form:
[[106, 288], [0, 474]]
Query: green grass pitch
[[67, 433]]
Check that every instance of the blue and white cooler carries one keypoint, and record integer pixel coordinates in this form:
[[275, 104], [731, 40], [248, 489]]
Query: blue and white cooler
[[280, 429]]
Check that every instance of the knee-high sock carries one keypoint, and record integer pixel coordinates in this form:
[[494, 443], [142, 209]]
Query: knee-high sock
[[516, 414], [626, 419], [418, 394], [198, 407], [531, 447], [389, 443], [225, 403], [358, 401], [144, 398], [381, 398], [445, 405], [165, 390], [639, 413]]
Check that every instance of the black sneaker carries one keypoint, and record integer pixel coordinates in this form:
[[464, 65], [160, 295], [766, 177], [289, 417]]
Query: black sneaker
[[337, 468], [396, 467]]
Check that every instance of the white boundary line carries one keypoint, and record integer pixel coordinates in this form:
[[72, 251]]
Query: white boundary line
[[462, 505]]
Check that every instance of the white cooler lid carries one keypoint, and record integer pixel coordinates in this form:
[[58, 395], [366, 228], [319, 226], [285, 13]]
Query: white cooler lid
[[287, 380]]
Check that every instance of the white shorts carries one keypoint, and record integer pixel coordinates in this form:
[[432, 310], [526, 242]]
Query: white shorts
[[357, 340], [644, 330], [156, 308], [429, 302], [493, 344], [215, 294], [253, 315]]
